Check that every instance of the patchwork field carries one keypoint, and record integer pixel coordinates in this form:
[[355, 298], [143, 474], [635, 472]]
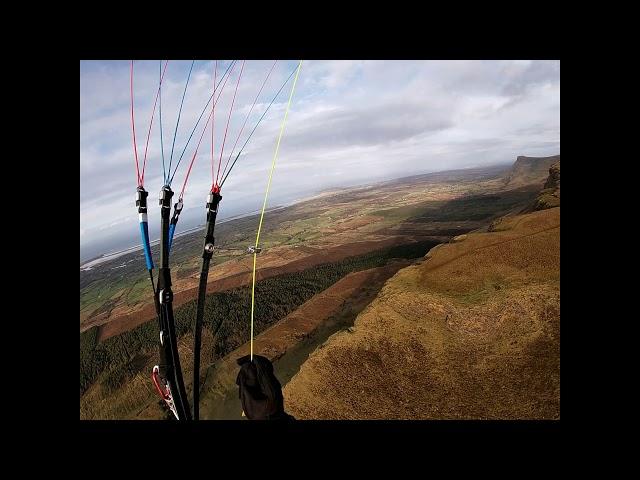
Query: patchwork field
[[361, 219]]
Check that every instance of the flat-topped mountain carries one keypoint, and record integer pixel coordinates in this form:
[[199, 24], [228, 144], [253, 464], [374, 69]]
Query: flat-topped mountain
[[530, 170]]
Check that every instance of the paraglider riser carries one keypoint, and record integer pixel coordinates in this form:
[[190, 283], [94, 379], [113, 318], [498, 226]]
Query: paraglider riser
[[212, 211], [165, 299], [207, 252]]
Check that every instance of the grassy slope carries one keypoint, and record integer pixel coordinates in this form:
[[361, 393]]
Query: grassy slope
[[471, 332]]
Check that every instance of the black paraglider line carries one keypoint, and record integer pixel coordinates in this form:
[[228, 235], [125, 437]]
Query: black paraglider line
[[200, 118], [163, 296]]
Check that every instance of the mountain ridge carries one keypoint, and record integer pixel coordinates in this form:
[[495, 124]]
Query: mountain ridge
[[528, 170]]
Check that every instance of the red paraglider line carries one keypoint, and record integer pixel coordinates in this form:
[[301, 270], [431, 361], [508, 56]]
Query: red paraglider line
[[146, 147], [227, 127], [133, 127], [247, 118], [186, 178], [213, 123]]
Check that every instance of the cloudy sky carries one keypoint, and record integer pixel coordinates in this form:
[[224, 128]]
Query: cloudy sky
[[350, 122]]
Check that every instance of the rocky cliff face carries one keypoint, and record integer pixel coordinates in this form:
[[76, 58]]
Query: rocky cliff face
[[553, 181], [549, 196]]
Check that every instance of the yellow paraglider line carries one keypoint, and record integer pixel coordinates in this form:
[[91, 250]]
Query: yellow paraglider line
[[264, 204]]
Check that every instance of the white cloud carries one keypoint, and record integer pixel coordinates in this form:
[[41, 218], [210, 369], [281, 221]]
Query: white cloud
[[350, 122]]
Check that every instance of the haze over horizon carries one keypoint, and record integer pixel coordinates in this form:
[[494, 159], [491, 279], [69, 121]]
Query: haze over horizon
[[194, 217], [351, 122]]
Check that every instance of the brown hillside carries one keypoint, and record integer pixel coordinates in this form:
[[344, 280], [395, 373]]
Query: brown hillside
[[473, 331]]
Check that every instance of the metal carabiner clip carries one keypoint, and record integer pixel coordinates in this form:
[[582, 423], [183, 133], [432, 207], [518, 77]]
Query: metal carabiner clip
[[164, 393]]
